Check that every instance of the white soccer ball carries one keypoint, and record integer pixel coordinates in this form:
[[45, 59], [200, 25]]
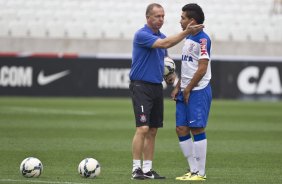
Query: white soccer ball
[[89, 168], [31, 167], [169, 66]]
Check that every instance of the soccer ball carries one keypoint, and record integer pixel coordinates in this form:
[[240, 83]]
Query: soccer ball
[[31, 167], [89, 168], [169, 66]]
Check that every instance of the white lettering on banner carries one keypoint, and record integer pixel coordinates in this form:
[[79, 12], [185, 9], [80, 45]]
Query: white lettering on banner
[[16, 76], [113, 78], [270, 81], [249, 82], [243, 82]]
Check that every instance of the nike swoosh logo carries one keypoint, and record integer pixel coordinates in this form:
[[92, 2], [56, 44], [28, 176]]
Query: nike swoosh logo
[[192, 121], [44, 79]]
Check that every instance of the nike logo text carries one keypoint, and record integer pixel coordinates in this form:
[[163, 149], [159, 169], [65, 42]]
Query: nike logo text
[[44, 80]]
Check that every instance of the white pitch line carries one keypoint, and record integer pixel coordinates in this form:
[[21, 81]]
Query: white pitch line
[[38, 181], [47, 111]]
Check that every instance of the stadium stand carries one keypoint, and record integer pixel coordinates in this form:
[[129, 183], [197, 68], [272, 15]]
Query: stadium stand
[[73, 24]]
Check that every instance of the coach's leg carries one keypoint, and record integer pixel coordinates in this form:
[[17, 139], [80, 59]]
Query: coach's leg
[[138, 145], [149, 147]]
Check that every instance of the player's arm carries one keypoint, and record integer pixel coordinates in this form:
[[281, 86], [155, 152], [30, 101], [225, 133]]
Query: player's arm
[[174, 39], [199, 74]]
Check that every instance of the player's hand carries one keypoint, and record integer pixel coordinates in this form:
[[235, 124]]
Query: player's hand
[[192, 29], [186, 94], [170, 78]]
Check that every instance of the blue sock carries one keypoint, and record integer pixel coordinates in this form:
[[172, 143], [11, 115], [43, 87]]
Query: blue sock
[[184, 138], [200, 136]]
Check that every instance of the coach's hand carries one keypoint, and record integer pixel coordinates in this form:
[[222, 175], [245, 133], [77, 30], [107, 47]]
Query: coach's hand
[[174, 93], [192, 29], [170, 78]]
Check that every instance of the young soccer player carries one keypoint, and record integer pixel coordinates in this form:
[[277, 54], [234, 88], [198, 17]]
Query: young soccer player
[[193, 95]]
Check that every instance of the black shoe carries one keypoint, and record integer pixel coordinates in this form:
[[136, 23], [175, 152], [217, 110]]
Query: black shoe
[[153, 175], [138, 174]]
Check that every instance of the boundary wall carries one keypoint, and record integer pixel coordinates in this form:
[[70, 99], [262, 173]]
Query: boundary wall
[[107, 76]]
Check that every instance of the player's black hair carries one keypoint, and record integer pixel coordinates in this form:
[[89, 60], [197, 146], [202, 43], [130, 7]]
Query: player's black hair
[[194, 11]]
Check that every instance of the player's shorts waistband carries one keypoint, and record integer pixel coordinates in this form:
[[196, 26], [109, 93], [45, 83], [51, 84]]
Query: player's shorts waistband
[[144, 82]]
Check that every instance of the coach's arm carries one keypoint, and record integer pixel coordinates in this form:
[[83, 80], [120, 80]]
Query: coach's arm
[[170, 41]]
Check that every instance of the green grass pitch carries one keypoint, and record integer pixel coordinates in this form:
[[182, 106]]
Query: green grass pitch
[[244, 140]]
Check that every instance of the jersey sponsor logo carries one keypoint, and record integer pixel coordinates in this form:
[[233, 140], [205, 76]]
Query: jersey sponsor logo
[[16, 76], [203, 44], [253, 81], [46, 79], [187, 58]]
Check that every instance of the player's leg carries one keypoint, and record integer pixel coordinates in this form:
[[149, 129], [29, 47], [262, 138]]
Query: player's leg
[[199, 107], [187, 147], [185, 140], [200, 145]]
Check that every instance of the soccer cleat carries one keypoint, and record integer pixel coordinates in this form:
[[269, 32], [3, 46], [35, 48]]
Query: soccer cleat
[[197, 177], [138, 174], [153, 175], [192, 177], [186, 175]]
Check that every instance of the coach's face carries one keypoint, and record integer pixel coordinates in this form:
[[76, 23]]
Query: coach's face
[[155, 20]]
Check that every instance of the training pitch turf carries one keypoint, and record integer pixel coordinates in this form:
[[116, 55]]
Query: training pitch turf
[[244, 140]]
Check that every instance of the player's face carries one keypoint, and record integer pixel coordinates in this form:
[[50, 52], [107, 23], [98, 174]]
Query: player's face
[[184, 21], [156, 19]]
